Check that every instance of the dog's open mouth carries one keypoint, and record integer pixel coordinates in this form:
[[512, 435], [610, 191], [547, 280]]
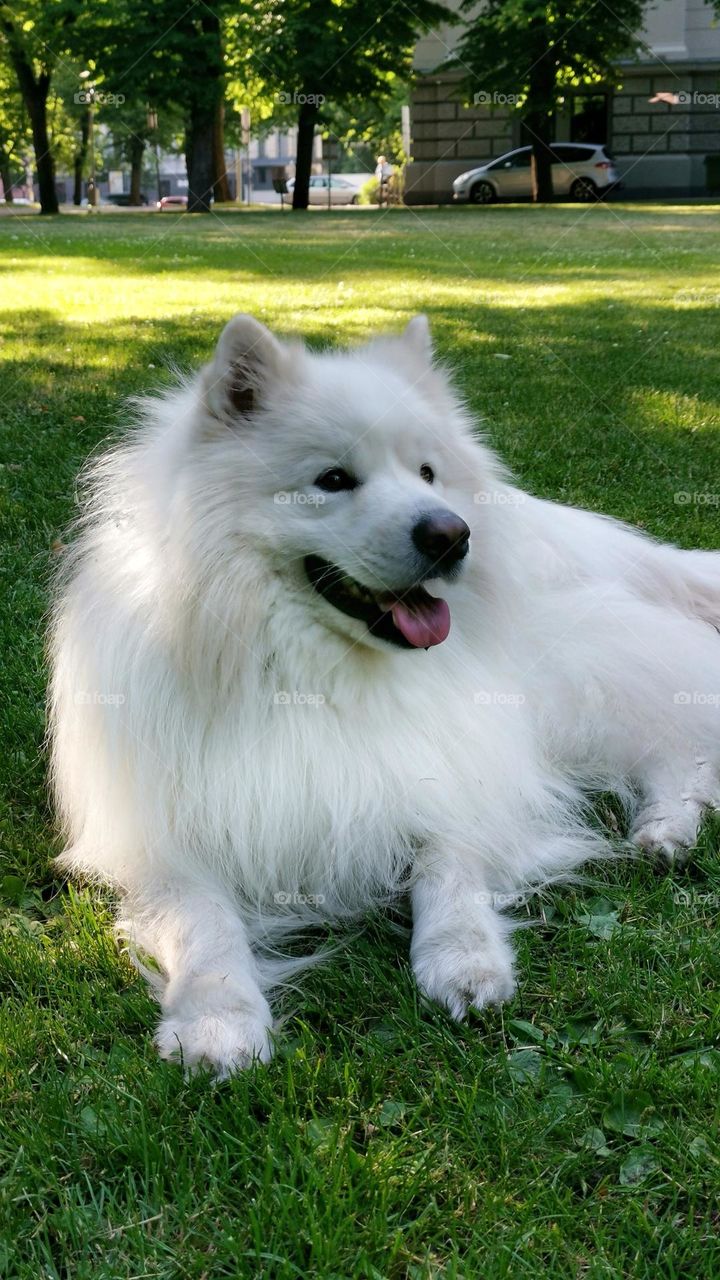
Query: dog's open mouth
[[412, 619]]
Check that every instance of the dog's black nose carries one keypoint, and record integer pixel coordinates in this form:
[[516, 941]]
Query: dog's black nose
[[442, 536]]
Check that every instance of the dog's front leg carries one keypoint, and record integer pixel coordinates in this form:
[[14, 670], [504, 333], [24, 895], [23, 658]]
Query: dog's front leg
[[214, 1012], [459, 952]]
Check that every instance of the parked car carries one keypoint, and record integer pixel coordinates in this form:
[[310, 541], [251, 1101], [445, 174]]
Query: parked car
[[341, 191], [124, 201], [172, 202], [582, 170]]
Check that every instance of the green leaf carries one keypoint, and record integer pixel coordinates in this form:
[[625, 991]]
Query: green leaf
[[522, 1030], [600, 926], [594, 1139], [699, 1057], [580, 1032], [525, 1064], [638, 1166], [391, 1112], [634, 1115], [319, 1130], [560, 1097], [12, 889], [91, 1122], [699, 1149]]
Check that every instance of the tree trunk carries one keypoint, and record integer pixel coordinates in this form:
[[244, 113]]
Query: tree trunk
[[539, 112], [221, 186], [44, 161], [80, 158], [303, 160], [207, 93], [137, 150], [34, 92], [199, 157], [540, 129], [6, 179]]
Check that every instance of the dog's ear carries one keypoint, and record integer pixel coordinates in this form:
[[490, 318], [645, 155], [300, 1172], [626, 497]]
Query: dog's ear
[[417, 337], [410, 352], [247, 359]]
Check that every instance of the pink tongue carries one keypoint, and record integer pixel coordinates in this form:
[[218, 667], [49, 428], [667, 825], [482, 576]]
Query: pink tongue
[[424, 624]]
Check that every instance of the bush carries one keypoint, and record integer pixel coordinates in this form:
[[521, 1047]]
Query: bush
[[368, 193]]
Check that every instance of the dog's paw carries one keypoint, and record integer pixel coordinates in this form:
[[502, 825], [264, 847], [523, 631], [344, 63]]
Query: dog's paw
[[209, 1025], [668, 830], [462, 979], [221, 1042]]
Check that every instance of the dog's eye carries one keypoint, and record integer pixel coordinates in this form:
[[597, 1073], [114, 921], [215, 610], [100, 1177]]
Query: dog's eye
[[427, 473], [334, 480]]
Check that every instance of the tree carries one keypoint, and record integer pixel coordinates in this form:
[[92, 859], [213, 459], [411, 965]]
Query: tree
[[364, 130], [537, 52], [34, 36], [181, 70], [69, 120], [319, 54], [15, 137], [202, 94], [221, 186]]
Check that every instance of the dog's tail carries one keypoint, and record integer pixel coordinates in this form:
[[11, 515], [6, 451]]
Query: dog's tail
[[686, 580], [699, 573]]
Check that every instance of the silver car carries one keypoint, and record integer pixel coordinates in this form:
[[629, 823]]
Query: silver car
[[322, 186], [582, 170]]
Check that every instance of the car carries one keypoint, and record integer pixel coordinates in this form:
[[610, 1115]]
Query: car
[[124, 201], [584, 171], [172, 202], [340, 190]]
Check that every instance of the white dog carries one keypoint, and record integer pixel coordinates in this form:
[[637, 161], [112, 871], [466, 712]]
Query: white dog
[[314, 650]]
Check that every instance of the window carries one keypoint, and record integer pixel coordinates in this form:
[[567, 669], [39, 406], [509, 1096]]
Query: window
[[572, 155], [589, 120], [513, 160]]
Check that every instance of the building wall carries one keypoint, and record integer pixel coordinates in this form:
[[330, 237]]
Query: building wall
[[659, 148], [448, 138]]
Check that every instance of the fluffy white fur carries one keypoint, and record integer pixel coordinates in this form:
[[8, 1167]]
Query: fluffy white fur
[[239, 758]]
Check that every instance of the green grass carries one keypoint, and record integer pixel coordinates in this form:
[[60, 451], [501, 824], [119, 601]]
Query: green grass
[[572, 1134]]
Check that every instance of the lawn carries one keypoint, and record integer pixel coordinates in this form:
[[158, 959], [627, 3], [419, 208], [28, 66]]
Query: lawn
[[575, 1132]]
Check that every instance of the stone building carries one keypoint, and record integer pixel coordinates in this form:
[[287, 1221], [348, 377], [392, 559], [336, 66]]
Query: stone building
[[660, 147]]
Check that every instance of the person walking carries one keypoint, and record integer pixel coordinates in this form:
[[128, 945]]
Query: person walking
[[383, 173]]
